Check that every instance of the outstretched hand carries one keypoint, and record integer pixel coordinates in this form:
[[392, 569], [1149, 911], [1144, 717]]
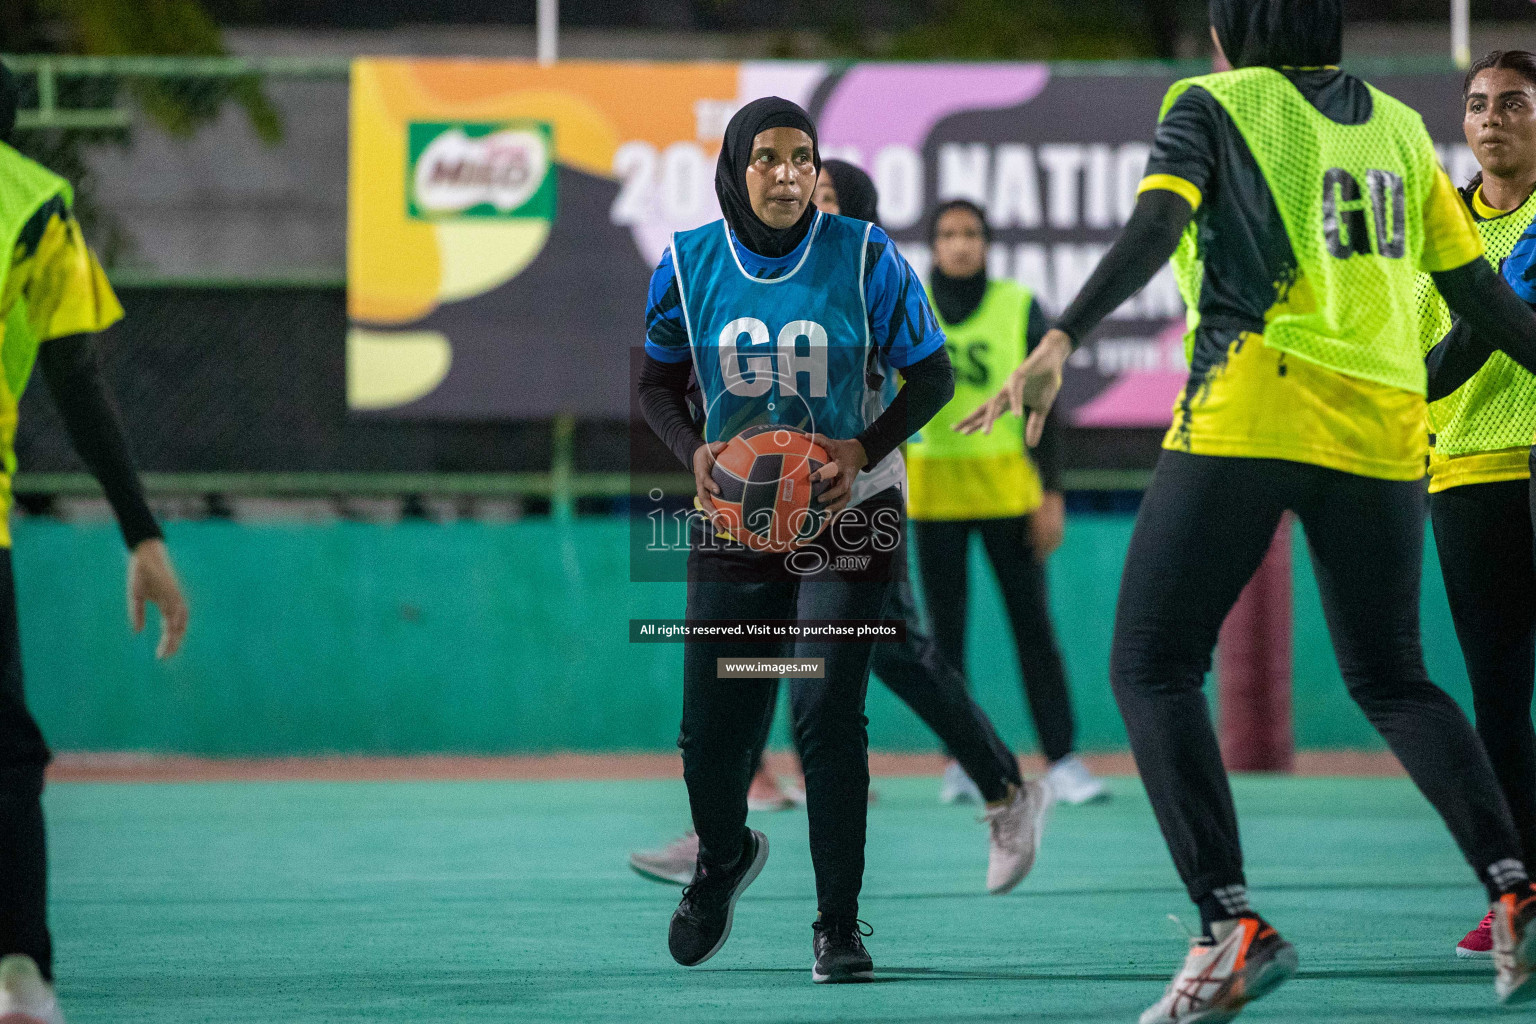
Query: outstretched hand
[[1032, 387]]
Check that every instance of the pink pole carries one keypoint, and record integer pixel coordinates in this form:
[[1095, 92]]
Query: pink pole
[[1254, 668]]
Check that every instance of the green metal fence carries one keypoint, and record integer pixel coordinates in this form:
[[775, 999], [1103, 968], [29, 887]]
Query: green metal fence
[[61, 101], [53, 112], [113, 99]]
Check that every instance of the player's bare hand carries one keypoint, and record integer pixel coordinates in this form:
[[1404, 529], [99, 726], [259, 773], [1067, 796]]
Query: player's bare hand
[[1048, 524], [1035, 384], [1032, 387], [987, 413], [703, 475], [152, 580], [848, 457]]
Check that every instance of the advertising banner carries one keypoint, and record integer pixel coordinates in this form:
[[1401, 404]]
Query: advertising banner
[[505, 217]]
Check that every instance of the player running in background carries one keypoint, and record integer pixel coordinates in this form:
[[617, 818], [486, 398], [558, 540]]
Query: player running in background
[[1479, 466], [916, 671], [53, 298], [988, 485], [1311, 201]]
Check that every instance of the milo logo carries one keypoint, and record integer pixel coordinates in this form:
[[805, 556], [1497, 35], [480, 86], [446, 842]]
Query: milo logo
[[461, 169]]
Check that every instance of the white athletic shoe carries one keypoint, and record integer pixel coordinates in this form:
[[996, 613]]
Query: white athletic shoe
[[1073, 783], [25, 998], [957, 787], [1248, 959], [672, 863], [1016, 827], [1514, 949]]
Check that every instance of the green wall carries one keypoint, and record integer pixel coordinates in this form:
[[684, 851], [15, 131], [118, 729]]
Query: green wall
[[494, 638]]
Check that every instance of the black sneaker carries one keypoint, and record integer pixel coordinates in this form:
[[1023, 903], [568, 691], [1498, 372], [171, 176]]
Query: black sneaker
[[702, 921], [840, 952]]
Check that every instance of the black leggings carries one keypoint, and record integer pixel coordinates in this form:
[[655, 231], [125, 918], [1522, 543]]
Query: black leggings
[[23, 757], [915, 671], [725, 720], [1483, 534], [942, 557], [1204, 527]]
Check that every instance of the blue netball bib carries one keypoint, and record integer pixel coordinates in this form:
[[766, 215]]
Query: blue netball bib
[[1520, 268], [792, 349]]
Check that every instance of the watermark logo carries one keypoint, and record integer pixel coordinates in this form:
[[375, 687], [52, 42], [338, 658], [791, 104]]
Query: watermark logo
[[856, 541], [480, 170]]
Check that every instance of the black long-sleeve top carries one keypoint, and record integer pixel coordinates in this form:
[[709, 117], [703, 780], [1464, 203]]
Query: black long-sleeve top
[[73, 372], [1489, 316]]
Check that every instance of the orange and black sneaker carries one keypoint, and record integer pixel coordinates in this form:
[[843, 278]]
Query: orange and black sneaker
[[1514, 946], [1243, 959]]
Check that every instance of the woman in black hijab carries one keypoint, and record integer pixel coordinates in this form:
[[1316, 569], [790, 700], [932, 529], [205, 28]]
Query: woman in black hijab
[[990, 487], [1303, 34], [912, 668], [731, 176], [777, 268], [846, 190], [1267, 424]]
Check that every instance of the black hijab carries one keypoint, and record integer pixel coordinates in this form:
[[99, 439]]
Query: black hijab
[[957, 297], [1279, 33], [856, 195], [731, 175], [10, 99]]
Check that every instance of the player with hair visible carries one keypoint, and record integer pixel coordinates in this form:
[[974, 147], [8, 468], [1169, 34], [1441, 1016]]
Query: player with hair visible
[[775, 267], [916, 671], [1479, 465], [53, 298], [1302, 204]]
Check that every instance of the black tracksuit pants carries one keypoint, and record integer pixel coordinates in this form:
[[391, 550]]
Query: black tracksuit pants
[[942, 558], [1204, 527], [933, 686], [915, 671], [725, 720], [23, 757], [1483, 534]]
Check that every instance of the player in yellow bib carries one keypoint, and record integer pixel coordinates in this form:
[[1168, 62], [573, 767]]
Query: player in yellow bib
[[53, 298], [1303, 204], [1479, 464], [989, 486]]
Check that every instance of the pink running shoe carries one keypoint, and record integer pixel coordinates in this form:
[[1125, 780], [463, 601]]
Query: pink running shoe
[[1479, 941]]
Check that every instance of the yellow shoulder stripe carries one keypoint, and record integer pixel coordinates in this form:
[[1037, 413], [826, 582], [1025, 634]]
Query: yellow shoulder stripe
[[1450, 238], [1482, 209], [1172, 183]]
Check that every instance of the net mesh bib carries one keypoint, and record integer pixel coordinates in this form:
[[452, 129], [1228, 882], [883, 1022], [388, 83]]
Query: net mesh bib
[[1351, 197], [1497, 407]]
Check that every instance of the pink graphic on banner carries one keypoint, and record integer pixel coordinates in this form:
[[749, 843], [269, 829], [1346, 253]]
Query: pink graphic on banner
[[879, 105], [1141, 398], [796, 81]]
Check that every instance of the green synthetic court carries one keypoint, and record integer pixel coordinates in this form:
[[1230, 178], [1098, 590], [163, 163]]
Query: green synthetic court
[[292, 903]]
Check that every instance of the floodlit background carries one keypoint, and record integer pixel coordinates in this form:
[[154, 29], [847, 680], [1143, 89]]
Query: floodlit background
[[396, 770]]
